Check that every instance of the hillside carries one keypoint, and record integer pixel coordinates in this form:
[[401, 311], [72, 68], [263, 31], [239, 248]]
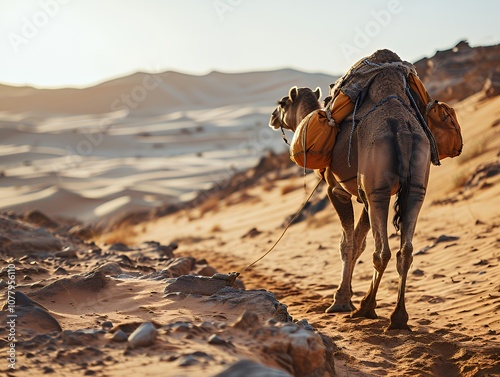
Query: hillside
[[159, 93]]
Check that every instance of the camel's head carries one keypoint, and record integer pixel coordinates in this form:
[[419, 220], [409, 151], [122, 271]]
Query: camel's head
[[298, 103]]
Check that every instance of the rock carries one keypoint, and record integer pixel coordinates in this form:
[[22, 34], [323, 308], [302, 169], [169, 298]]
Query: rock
[[143, 336], [38, 218], [31, 316], [84, 232], [27, 240], [165, 251], [252, 233], [180, 266], [206, 271], [67, 252], [119, 336], [262, 302], [307, 352], [92, 282], [60, 271], [418, 272], [200, 285], [216, 340], [305, 325], [298, 350], [119, 247], [491, 86], [187, 360], [246, 321], [80, 337], [48, 370], [457, 73], [444, 238], [110, 268], [247, 368], [107, 325]]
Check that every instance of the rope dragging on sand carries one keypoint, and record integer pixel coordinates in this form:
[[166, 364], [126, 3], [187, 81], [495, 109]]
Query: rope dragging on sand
[[284, 231]]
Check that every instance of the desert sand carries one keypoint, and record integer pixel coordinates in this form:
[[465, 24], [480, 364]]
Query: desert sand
[[93, 285]]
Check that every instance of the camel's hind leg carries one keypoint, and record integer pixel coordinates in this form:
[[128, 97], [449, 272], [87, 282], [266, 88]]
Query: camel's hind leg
[[379, 211], [416, 194], [399, 317]]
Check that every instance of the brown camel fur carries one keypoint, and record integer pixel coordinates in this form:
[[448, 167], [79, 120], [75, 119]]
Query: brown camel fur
[[390, 155]]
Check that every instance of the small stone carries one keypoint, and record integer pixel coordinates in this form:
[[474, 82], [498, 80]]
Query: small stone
[[38, 218], [107, 325], [84, 232], [247, 320], [207, 271], [245, 368], [119, 336], [216, 340], [143, 336], [482, 262], [444, 238], [119, 247], [418, 272], [60, 271], [67, 252], [47, 370], [305, 325], [423, 250], [110, 268], [3, 283], [188, 360], [254, 232]]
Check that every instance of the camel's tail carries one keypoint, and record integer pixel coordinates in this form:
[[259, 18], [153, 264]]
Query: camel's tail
[[403, 142]]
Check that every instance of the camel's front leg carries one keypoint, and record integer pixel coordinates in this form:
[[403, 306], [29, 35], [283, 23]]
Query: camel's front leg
[[341, 200]]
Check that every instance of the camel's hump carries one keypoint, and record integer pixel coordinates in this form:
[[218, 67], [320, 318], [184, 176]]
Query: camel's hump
[[384, 56]]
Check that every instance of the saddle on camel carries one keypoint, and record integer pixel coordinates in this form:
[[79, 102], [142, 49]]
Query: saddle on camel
[[315, 136]]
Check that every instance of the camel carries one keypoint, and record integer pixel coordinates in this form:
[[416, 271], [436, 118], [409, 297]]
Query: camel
[[389, 154]]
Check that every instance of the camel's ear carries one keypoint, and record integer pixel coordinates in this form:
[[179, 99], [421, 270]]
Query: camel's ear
[[317, 92], [294, 92]]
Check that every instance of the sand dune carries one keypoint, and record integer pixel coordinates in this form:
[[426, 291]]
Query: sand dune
[[135, 142]]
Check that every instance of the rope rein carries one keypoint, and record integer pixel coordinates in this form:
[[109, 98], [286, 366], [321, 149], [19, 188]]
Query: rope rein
[[284, 231]]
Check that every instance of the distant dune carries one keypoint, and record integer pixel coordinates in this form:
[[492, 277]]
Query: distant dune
[[160, 93], [136, 142]]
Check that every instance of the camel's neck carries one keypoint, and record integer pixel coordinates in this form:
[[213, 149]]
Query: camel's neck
[[302, 111]]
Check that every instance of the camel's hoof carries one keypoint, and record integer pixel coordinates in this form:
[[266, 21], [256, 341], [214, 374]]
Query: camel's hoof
[[340, 308], [360, 313], [398, 326]]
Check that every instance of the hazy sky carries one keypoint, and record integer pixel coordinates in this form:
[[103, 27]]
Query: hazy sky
[[81, 42]]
